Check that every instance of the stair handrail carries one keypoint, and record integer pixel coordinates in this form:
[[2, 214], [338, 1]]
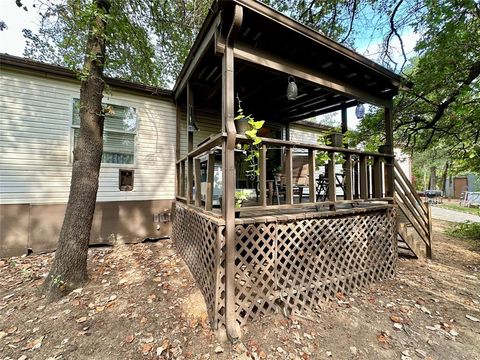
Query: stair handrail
[[417, 212]]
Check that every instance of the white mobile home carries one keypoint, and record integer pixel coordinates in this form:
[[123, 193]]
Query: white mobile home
[[38, 122]]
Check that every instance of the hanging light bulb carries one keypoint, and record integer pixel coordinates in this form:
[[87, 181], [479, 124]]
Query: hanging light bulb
[[292, 90], [360, 111]]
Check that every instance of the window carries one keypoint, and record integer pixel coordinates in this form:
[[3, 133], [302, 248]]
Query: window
[[119, 132], [125, 180]]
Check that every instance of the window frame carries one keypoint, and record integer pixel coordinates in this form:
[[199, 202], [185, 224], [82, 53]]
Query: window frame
[[114, 102]]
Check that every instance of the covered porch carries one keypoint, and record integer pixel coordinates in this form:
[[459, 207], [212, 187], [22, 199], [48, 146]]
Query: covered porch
[[307, 229]]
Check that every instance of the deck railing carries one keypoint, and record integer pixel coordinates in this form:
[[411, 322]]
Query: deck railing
[[416, 212], [365, 176]]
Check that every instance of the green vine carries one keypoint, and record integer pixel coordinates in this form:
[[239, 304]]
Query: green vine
[[252, 148]]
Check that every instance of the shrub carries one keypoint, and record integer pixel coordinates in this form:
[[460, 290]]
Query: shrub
[[466, 230]]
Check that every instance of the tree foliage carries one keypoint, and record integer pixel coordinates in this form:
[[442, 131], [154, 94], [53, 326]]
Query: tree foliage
[[147, 41], [441, 110]]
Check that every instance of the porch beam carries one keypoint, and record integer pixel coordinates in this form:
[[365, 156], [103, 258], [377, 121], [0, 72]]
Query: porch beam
[[262, 58], [202, 48], [324, 110]]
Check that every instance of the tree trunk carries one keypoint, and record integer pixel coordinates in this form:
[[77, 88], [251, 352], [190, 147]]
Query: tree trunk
[[444, 178], [433, 178], [69, 268]]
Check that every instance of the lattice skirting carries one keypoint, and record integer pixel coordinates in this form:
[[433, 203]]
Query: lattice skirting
[[198, 239], [294, 264]]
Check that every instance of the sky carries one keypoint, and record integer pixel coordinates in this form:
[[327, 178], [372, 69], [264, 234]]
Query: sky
[[12, 41]]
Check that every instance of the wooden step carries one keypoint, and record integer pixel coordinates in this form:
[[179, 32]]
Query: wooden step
[[416, 246]]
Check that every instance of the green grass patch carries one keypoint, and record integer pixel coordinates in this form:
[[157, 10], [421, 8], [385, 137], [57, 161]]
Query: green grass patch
[[471, 210], [467, 230]]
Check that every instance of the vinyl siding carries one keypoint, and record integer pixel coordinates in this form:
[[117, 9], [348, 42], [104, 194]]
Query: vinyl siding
[[36, 143]]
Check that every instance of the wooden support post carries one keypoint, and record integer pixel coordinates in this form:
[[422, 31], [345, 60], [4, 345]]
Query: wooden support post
[[189, 180], [177, 180], [189, 117], [189, 146], [347, 166], [210, 181], [377, 177], [344, 121], [288, 175], [430, 234], [182, 178], [389, 164], [198, 183], [228, 174], [332, 182], [312, 189], [262, 166], [178, 132], [347, 173], [356, 179], [363, 177]]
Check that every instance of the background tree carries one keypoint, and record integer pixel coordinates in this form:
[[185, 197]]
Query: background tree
[[147, 41], [441, 111]]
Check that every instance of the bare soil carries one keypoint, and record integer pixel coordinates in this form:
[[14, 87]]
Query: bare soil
[[142, 303]]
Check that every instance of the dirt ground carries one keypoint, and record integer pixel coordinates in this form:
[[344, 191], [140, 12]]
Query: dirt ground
[[141, 303]]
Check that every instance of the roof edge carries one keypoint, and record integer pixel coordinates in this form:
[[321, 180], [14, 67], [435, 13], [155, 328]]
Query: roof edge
[[313, 34], [38, 66]]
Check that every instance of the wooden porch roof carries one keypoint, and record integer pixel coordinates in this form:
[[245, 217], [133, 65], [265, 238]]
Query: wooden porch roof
[[269, 48]]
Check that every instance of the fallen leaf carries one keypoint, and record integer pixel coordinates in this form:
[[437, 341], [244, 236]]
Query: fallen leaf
[[81, 320], [11, 330], [384, 340], [34, 344], [146, 348], [166, 344], [129, 338], [396, 319]]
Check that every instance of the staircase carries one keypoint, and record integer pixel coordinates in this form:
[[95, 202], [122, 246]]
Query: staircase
[[415, 221]]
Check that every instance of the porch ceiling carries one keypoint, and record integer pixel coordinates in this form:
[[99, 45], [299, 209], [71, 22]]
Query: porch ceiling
[[269, 48]]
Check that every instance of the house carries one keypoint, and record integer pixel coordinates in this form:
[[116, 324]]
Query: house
[[38, 121], [456, 186], [178, 147]]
